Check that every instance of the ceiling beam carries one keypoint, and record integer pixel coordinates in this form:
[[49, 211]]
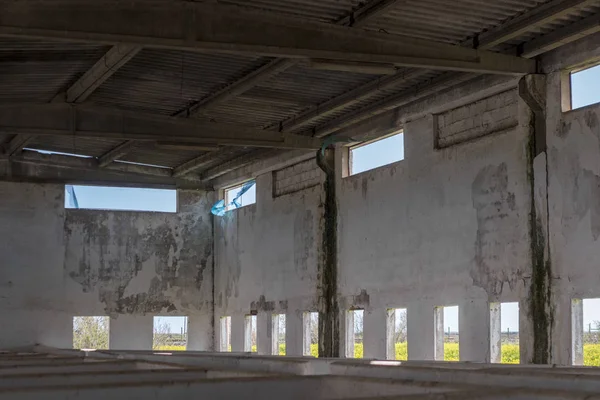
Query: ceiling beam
[[68, 120], [219, 28], [16, 144], [527, 22], [107, 158], [104, 68], [562, 36]]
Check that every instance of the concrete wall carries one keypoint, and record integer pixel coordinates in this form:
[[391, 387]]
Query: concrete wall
[[267, 256], [127, 265]]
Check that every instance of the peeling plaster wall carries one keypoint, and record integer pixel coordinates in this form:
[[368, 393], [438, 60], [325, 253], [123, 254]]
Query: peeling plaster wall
[[60, 263], [442, 227], [31, 274], [266, 258], [573, 193]]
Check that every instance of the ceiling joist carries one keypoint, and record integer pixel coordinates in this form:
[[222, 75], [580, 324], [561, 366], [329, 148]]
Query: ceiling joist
[[219, 28]]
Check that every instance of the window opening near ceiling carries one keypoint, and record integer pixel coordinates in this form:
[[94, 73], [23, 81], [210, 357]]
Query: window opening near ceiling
[[234, 197], [446, 333], [370, 155], [584, 87], [120, 198], [91, 332], [278, 335], [310, 334], [225, 334], [170, 333], [396, 334]]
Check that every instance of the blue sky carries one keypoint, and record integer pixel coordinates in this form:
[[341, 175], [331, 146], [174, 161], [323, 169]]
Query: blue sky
[[175, 324], [585, 90]]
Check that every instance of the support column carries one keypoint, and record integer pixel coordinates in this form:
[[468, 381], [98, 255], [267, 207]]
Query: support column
[[474, 338], [375, 333], [293, 333], [420, 332], [264, 333], [577, 331], [495, 333], [199, 333], [349, 333], [131, 332], [438, 333], [237, 333]]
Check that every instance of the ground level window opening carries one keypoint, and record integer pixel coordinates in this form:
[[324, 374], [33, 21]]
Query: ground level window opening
[[504, 333], [250, 343], [169, 333], [446, 333], [354, 333], [225, 334], [91, 332], [585, 331], [278, 335], [310, 334], [396, 334]]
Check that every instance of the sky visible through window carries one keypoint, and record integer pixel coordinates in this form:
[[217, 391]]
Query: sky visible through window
[[585, 87], [377, 154], [249, 197], [174, 324], [114, 198]]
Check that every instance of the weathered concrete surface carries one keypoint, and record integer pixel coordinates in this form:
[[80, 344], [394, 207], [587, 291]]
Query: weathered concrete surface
[[267, 256], [58, 264]]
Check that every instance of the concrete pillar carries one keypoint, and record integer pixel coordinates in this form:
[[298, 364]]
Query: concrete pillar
[[577, 331], [390, 334], [237, 333], [264, 334], [131, 332], [349, 333], [223, 334], [438, 333], [294, 333], [200, 333], [374, 334], [474, 327], [420, 331], [495, 333]]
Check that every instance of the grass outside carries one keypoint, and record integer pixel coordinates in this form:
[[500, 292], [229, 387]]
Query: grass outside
[[510, 352]]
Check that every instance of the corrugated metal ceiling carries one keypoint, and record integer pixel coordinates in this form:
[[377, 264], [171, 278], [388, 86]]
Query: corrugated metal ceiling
[[166, 81]]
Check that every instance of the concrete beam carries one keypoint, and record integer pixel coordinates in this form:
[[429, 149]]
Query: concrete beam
[[529, 21], [113, 154], [208, 27], [562, 36], [16, 144], [104, 68], [66, 120]]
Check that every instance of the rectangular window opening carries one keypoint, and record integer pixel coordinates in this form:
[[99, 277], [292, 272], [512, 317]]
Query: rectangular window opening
[[446, 333], [225, 334], [250, 343], [120, 198], [584, 88], [354, 333], [91, 332], [240, 195], [278, 335], [504, 333], [169, 333], [310, 334], [585, 318], [396, 334], [374, 154]]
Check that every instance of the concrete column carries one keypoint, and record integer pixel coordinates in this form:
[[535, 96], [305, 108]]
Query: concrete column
[[293, 333], [577, 331], [200, 333], [131, 332], [264, 333], [474, 327], [438, 333], [223, 334], [390, 334], [349, 333], [495, 333], [420, 331], [374, 335], [237, 333]]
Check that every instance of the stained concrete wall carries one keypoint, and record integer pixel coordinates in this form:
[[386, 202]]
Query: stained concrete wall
[[267, 256], [440, 228], [127, 265]]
